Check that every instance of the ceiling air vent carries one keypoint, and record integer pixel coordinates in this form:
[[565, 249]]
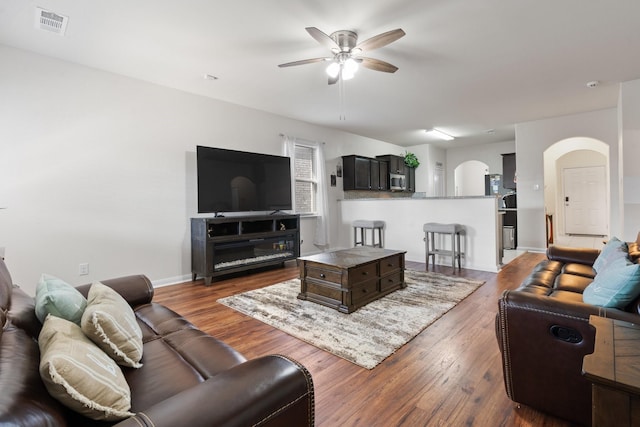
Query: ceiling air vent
[[50, 21]]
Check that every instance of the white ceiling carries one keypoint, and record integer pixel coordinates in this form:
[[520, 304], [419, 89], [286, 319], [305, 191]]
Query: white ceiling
[[464, 66]]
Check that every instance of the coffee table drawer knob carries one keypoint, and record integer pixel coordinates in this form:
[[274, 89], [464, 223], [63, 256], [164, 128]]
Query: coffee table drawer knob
[[322, 275]]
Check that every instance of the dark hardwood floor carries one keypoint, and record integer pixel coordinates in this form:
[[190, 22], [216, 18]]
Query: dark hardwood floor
[[448, 375]]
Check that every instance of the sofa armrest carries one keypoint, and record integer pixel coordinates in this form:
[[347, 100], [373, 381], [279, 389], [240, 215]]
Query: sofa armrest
[[271, 390], [136, 290], [567, 254], [543, 341]]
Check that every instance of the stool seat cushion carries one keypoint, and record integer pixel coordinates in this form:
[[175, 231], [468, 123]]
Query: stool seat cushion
[[365, 223], [436, 227]]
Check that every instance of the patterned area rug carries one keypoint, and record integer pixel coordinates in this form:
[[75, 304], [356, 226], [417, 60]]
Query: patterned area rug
[[367, 336]]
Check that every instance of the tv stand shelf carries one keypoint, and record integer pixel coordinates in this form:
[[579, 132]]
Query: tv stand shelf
[[224, 245]]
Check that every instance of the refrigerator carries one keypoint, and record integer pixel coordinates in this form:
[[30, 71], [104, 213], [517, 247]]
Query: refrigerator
[[492, 184]]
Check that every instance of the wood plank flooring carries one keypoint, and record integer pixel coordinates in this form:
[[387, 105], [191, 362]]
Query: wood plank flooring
[[448, 375]]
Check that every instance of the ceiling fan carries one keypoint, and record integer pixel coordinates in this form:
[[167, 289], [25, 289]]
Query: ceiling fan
[[346, 52]]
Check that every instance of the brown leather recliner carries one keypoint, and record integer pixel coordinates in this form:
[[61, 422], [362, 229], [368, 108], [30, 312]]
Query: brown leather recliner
[[188, 377], [543, 333]]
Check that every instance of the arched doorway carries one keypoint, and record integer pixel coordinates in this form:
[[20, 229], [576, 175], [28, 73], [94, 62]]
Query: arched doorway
[[583, 164], [468, 178]]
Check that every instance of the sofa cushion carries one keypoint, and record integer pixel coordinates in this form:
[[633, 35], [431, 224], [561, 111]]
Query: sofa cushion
[[80, 375], [579, 270], [616, 286], [612, 251], [55, 296], [109, 322], [572, 283]]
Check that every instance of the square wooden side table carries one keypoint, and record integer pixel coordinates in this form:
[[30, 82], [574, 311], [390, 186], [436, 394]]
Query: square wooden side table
[[614, 371]]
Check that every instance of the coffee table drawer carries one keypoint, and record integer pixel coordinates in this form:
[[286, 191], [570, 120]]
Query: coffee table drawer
[[363, 273], [390, 264], [364, 291], [319, 289], [394, 280], [324, 274]]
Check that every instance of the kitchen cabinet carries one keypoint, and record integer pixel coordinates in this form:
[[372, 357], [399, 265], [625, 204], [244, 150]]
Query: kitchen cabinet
[[411, 179], [364, 173], [509, 171], [396, 163]]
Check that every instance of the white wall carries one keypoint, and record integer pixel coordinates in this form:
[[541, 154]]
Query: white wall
[[532, 139], [490, 154], [629, 121], [100, 168], [428, 155]]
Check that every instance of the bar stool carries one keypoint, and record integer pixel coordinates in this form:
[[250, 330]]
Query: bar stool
[[454, 230], [362, 225]]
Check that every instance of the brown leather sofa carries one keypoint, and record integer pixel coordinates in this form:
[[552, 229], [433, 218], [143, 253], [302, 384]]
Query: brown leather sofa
[[188, 378], [544, 334]]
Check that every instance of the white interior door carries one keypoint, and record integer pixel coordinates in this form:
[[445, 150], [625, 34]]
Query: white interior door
[[585, 201]]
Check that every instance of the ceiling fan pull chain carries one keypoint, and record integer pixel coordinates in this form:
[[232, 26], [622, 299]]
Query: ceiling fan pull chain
[[343, 115]]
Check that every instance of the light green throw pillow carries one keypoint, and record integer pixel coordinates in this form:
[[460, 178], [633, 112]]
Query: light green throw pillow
[[109, 321], [56, 297], [616, 286], [613, 251], [80, 375]]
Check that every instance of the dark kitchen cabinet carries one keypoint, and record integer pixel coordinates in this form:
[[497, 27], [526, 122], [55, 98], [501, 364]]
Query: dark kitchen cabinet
[[396, 163], [411, 179], [383, 182], [364, 173], [509, 171]]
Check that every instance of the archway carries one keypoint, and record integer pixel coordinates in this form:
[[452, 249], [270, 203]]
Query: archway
[[576, 152], [468, 178]]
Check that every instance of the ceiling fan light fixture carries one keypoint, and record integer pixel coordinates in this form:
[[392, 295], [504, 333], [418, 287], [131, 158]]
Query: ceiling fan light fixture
[[333, 70], [439, 134], [350, 66], [346, 75]]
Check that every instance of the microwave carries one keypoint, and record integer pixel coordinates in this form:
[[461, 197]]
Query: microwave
[[397, 182]]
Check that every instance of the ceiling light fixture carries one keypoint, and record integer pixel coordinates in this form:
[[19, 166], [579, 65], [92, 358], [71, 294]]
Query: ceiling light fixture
[[439, 134], [344, 66]]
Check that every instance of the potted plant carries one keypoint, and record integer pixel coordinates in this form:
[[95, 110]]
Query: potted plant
[[411, 160]]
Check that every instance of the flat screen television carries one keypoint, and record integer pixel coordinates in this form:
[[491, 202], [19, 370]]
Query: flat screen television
[[238, 181]]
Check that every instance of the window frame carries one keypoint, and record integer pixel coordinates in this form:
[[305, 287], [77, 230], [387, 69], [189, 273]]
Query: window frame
[[313, 180]]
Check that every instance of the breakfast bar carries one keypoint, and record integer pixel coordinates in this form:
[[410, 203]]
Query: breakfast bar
[[405, 217]]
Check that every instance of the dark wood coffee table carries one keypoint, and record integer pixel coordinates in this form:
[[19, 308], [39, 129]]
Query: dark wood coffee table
[[613, 369], [350, 278]]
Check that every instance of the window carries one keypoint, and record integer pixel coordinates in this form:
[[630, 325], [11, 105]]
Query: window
[[305, 177]]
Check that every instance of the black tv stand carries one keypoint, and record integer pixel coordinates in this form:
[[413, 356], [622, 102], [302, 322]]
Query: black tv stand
[[224, 245]]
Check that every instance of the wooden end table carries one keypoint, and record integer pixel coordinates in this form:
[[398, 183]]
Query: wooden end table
[[614, 370]]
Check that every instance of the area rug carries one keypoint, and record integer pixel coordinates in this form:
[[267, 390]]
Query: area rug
[[367, 336]]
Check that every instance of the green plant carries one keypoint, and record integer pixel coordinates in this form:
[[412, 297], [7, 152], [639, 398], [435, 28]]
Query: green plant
[[411, 160]]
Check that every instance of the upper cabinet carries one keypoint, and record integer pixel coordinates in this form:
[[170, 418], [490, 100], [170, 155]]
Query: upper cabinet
[[509, 171], [363, 173], [396, 163]]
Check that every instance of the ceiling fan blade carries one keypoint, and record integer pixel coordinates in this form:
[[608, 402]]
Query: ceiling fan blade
[[334, 80], [380, 40], [304, 61], [322, 38], [378, 65]]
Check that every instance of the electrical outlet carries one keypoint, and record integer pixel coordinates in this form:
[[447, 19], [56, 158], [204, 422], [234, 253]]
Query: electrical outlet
[[83, 269]]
